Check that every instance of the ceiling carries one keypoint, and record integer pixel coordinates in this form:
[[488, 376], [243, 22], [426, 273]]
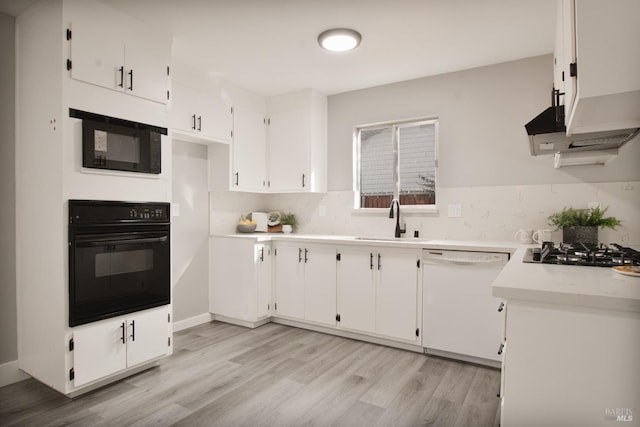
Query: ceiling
[[270, 46]]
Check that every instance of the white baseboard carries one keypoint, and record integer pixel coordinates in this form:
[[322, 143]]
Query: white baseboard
[[10, 373], [243, 323], [192, 321]]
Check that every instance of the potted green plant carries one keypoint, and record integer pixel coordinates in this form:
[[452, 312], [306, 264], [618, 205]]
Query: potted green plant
[[288, 221], [581, 225]]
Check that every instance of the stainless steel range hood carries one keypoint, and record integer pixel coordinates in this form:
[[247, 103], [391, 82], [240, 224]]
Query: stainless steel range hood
[[547, 135]]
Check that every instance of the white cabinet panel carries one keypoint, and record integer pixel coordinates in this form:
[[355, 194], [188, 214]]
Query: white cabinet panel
[[263, 257], [99, 350], [289, 150], [185, 105], [147, 336], [356, 290], [249, 150], [219, 123], [147, 57], [289, 281], [97, 53], [397, 294], [320, 285]]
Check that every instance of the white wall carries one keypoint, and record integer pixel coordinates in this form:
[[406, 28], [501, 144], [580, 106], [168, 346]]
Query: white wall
[[484, 160], [190, 231], [8, 327], [482, 113]]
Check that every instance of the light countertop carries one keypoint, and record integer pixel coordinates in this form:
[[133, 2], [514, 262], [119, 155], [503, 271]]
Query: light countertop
[[596, 287], [404, 242]]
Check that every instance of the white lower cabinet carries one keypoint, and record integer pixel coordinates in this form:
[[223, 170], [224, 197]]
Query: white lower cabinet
[[356, 290], [263, 279], [379, 292], [305, 282], [240, 278], [569, 366], [363, 290], [113, 345]]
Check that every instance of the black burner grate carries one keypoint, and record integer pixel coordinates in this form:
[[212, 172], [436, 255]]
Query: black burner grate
[[601, 255]]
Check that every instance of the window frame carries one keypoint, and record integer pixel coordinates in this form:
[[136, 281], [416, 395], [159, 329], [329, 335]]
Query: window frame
[[396, 125]]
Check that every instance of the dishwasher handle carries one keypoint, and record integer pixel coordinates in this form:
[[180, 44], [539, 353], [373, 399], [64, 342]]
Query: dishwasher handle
[[467, 258]]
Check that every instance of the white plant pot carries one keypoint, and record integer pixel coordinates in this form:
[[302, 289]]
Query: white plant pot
[[287, 228]]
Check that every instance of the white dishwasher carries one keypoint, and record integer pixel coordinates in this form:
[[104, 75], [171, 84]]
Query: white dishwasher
[[460, 316]]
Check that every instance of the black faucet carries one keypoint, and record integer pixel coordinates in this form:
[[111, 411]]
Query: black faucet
[[399, 230]]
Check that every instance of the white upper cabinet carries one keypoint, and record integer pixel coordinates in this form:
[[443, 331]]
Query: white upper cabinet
[[117, 52], [298, 142], [249, 150], [277, 148], [200, 115], [601, 60], [558, 53]]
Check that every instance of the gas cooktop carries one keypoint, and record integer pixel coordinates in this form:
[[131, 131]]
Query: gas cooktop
[[601, 255]]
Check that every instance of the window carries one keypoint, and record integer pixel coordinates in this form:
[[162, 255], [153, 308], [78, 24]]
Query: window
[[396, 161]]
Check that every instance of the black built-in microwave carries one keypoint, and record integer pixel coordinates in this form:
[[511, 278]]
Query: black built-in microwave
[[119, 144]]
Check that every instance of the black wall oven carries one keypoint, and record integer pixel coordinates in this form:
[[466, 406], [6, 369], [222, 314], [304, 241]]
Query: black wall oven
[[119, 258]]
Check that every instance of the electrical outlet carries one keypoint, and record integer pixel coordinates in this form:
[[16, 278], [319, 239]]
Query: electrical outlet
[[322, 210], [175, 209], [455, 211], [593, 205]]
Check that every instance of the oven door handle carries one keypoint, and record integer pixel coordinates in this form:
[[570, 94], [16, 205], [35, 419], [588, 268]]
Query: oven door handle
[[111, 242]]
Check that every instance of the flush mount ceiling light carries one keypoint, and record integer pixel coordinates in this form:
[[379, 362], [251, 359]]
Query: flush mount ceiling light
[[339, 39]]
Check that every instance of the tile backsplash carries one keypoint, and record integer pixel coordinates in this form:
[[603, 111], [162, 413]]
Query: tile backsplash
[[488, 213]]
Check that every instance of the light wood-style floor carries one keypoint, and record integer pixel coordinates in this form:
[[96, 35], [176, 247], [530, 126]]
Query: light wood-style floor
[[275, 375]]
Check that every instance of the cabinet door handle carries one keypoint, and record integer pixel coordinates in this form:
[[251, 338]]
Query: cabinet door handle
[[194, 122], [121, 70], [237, 174], [379, 263], [123, 338], [501, 307], [133, 330], [130, 79], [370, 260], [306, 255], [501, 348], [299, 254], [199, 122], [303, 179], [262, 254]]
